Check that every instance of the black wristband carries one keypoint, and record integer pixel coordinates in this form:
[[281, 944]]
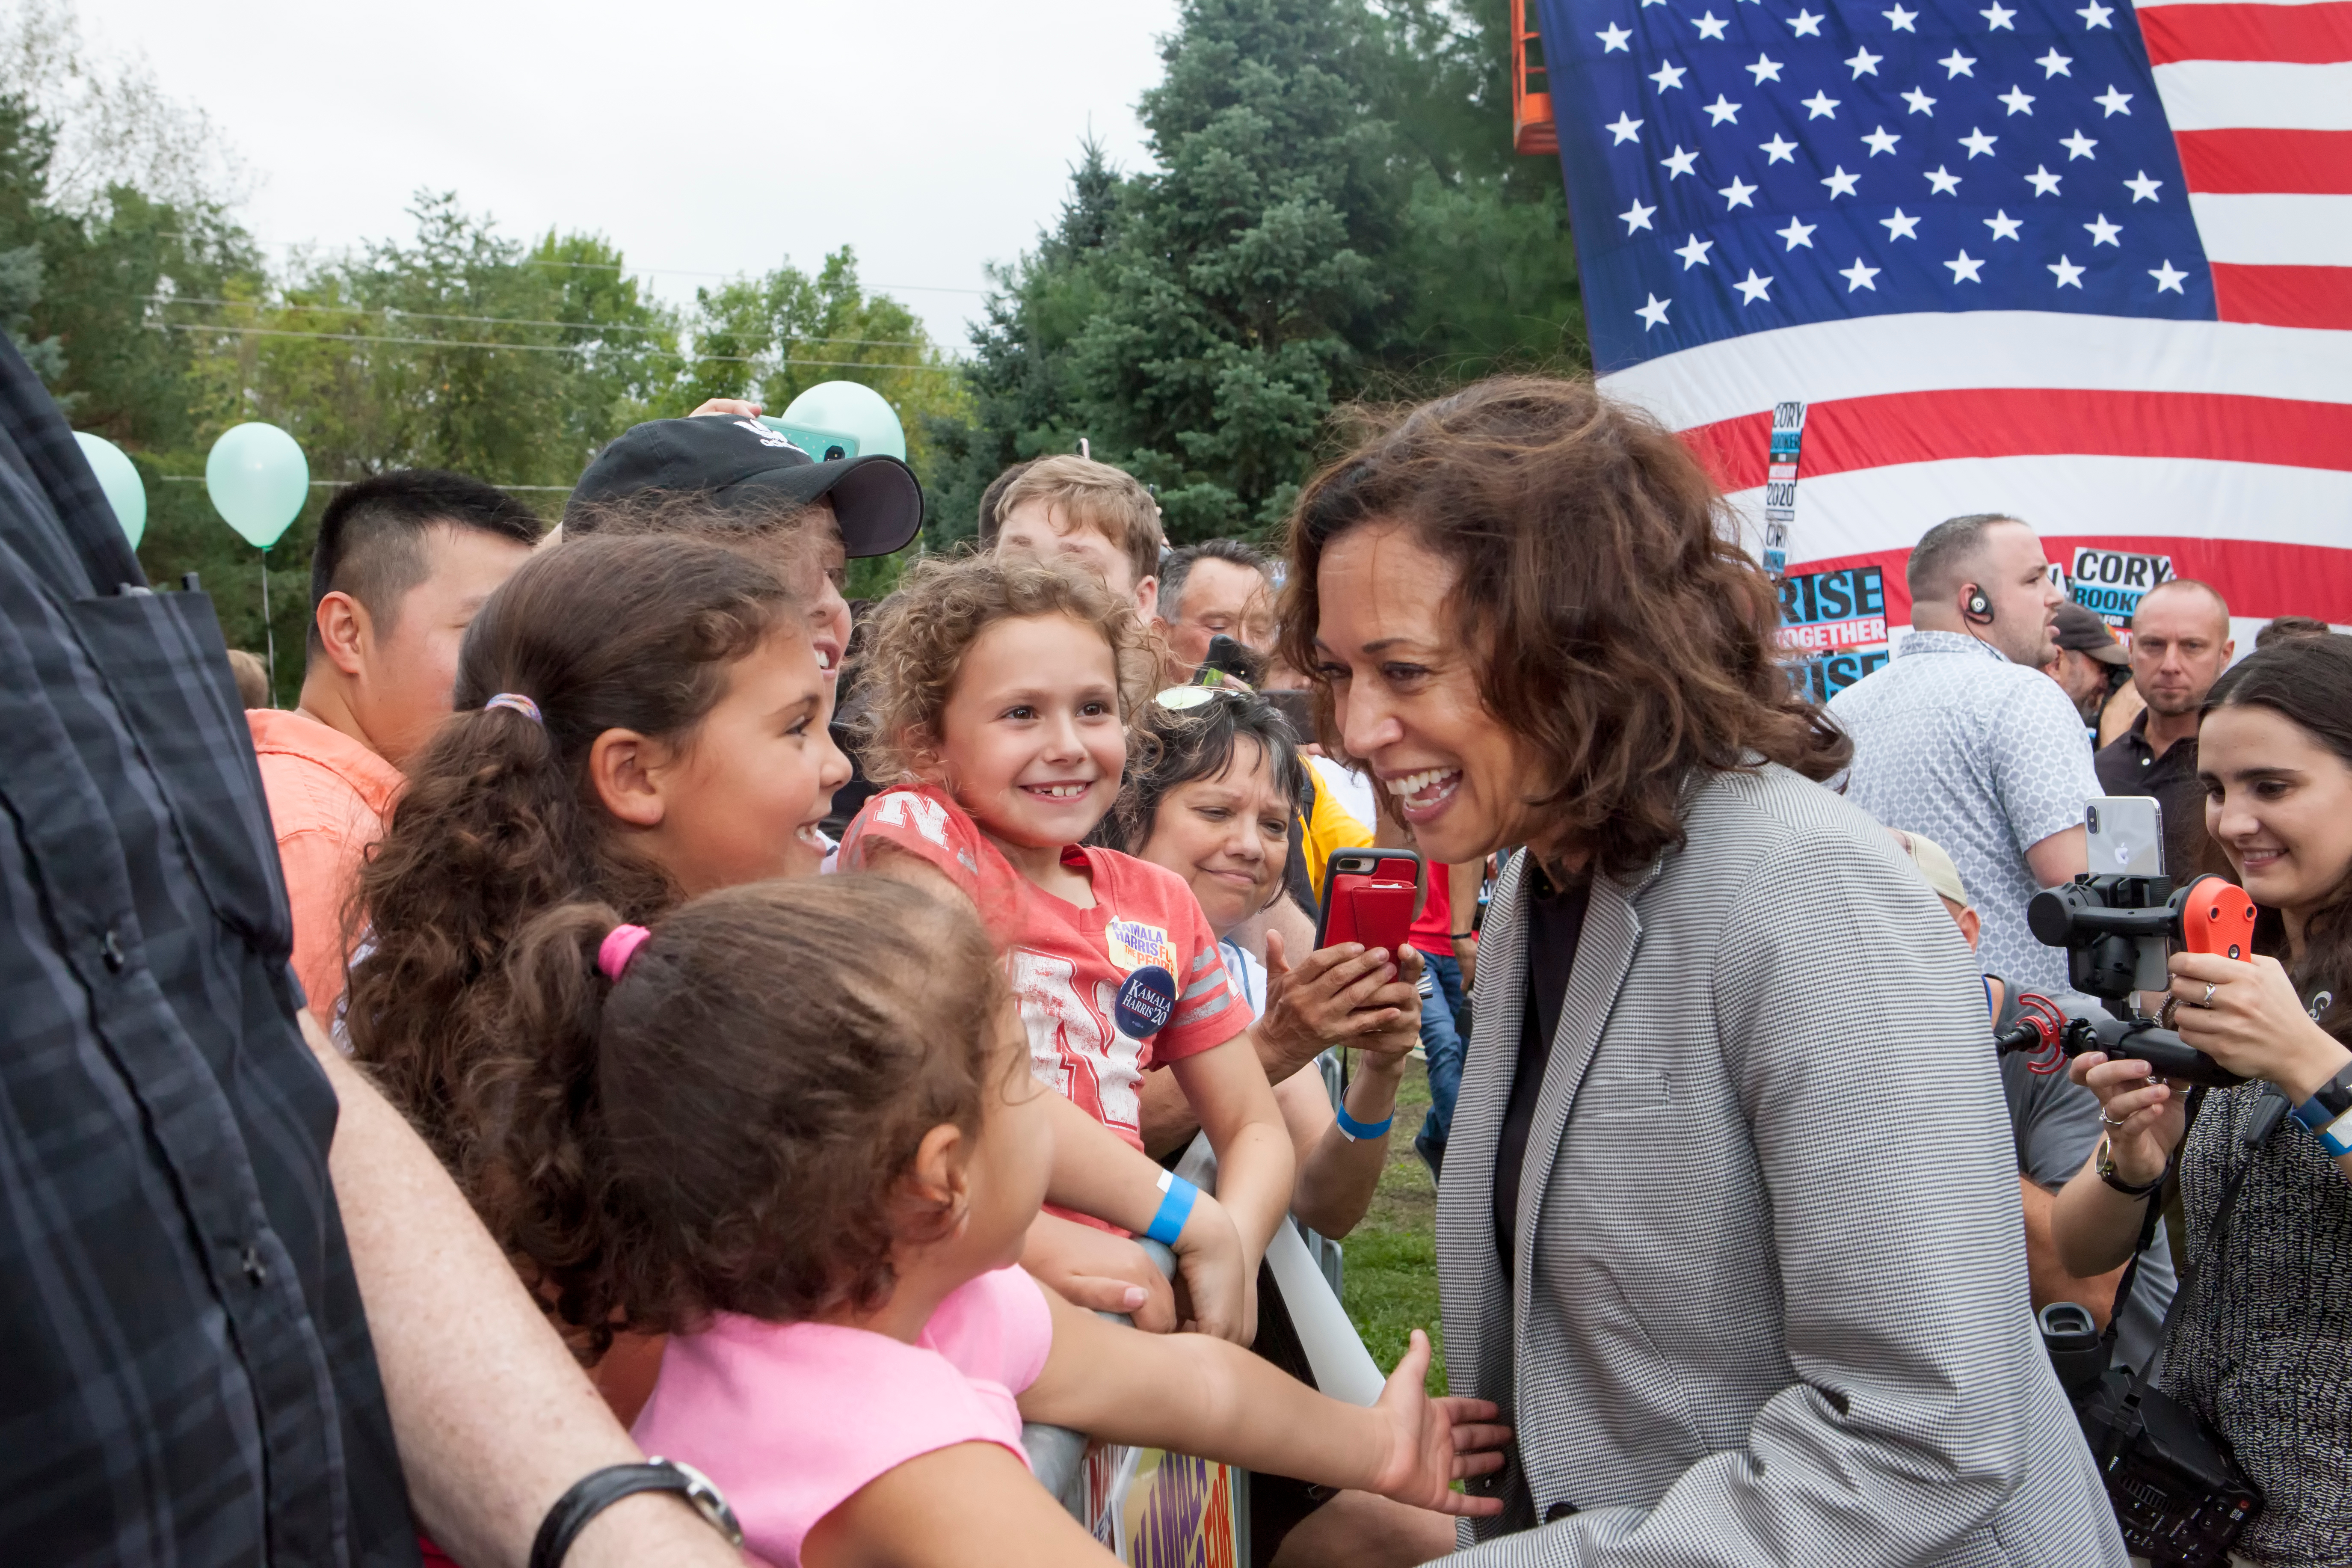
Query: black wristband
[[1459, 936], [594, 1492]]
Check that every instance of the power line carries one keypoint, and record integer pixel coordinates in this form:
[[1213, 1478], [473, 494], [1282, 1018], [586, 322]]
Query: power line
[[661, 272], [507, 320], [339, 484], [790, 361]]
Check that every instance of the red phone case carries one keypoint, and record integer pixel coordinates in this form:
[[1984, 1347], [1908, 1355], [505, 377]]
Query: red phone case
[[1375, 909]]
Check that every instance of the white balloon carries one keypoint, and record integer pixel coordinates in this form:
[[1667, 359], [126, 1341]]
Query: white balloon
[[118, 476]]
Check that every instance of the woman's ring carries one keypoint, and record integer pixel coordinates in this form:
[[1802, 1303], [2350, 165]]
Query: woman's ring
[[2110, 1122], [2207, 1001]]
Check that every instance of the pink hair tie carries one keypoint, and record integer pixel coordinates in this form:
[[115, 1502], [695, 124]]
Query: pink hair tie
[[619, 946], [516, 702]]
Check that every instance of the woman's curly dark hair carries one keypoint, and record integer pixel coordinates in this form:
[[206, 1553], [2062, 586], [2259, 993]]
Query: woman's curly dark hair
[[1620, 630], [743, 1101], [499, 823]]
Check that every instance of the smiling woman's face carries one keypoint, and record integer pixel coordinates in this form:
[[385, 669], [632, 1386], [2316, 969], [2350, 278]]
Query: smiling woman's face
[[1406, 700], [2279, 803], [1228, 835]]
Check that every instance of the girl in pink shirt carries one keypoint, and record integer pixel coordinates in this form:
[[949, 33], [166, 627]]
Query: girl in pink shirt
[[806, 1110]]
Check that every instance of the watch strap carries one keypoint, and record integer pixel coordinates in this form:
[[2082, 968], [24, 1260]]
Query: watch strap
[[2328, 1101], [2105, 1167], [597, 1490]]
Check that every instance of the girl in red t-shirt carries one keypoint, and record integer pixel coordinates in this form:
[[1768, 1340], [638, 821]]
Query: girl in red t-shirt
[[1000, 692]]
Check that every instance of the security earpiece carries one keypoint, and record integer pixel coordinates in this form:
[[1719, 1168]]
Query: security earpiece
[[1975, 607]]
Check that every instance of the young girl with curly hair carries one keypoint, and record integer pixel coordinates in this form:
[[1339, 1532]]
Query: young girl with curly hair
[[816, 1158], [999, 692]]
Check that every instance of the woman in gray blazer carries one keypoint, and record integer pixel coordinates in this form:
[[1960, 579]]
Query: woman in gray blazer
[[1729, 1221]]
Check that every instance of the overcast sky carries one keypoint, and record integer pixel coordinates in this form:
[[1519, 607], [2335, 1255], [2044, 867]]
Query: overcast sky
[[704, 140]]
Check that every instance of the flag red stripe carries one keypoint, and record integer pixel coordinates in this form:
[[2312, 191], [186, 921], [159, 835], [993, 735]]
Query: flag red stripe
[[2283, 296], [2009, 422], [2301, 34], [2267, 162], [2258, 577]]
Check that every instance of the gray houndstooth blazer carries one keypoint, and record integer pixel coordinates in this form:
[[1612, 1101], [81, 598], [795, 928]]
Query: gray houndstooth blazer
[[1771, 1304]]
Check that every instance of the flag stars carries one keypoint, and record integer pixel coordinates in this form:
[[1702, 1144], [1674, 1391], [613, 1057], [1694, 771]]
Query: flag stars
[[2003, 227], [1624, 128], [1798, 233], [2103, 232], [1978, 144], [2095, 16], [2167, 278], [1765, 70], [1820, 106], [1709, 25], [1864, 63], [1780, 150], [1678, 162], [2113, 102], [1614, 39], [1752, 288], [1957, 64], [2077, 145], [1638, 218], [1900, 20], [2054, 64], [1881, 140], [1723, 110], [1738, 193], [1943, 181], [1965, 269], [1654, 315], [1806, 25], [2019, 101], [1902, 226], [1920, 103], [2044, 182], [1840, 183], [2069, 274], [1997, 18], [1669, 76], [2143, 189], [1693, 252], [1860, 277]]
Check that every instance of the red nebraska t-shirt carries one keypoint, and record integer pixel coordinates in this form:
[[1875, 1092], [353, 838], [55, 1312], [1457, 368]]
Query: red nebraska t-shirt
[[1081, 976]]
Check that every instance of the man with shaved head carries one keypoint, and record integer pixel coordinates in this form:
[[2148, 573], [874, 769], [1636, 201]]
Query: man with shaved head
[[2180, 646]]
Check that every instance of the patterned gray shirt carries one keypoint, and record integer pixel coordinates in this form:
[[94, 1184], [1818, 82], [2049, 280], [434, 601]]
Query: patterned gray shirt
[[1987, 758]]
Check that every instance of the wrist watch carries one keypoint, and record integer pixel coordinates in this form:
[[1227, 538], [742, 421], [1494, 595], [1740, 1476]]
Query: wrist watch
[[2105, 1166], [2328, 1112]]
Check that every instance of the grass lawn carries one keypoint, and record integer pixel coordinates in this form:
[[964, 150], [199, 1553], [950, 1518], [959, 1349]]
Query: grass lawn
[[1391, 1276]]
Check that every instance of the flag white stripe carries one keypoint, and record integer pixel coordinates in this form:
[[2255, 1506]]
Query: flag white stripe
[[2275, 230], [2063, 497], [2221, 95], [1869, 356]]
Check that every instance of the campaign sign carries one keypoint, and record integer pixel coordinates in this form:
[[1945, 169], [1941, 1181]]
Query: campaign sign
[[1146, 998], [2111, 581], [1833, 625]]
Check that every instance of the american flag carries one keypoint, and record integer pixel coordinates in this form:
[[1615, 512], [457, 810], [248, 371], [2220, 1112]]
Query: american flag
[[2088, 264]]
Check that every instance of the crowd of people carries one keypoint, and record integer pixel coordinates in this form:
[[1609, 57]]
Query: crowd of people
[[667, 1009]]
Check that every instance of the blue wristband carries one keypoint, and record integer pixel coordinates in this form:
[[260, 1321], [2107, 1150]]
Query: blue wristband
[[2337, 1136], [1361, 1131], [1175, 1208]]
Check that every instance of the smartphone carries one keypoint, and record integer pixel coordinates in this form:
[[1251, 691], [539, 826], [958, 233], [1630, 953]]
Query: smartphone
[[1231, 657], [2126, 836], [1372, 896], [825, 446]]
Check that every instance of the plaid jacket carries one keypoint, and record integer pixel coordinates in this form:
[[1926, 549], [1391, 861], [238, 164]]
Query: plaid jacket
[[189, 1377], [1770, 1301]]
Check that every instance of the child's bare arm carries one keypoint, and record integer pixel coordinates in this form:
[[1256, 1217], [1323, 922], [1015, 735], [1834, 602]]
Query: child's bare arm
[[931, 1511], [1256, 1166], [1192, 1394]]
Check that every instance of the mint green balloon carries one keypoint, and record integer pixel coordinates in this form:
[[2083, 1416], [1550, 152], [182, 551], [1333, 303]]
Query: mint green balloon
[[854, 409], [118, 476], [258, 480]]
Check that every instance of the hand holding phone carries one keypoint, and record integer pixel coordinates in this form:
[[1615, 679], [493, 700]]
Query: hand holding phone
[[1373, 896]]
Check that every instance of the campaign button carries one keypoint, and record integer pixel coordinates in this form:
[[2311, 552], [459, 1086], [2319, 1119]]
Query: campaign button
[[1146, 998]]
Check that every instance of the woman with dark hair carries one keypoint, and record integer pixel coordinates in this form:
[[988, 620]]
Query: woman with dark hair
[[1729, 1222], [2262, 1347]]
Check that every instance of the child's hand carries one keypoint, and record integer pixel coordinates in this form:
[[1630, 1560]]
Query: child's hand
[[1220, 1288], [1435, 1442], [1096, 1269]]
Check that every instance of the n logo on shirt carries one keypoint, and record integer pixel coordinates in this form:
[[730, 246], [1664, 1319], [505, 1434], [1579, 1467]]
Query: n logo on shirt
[[1071, 1047], [931, 818]]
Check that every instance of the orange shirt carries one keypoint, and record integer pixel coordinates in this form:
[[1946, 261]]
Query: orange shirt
[[330, 797]]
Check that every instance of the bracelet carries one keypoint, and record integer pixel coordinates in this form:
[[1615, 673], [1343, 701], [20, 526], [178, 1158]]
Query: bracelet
[[597, 1490], [2334, 1130], [1175, 1208], [1464, 935], [2328, 1101], [2105, 1166], [1357, 1131]]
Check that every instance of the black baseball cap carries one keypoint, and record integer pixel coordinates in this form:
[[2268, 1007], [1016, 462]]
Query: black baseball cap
[[744, 463], [2080, 629]]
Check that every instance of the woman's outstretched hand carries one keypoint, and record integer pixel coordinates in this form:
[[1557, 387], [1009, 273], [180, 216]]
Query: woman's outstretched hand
[[1437, 1441]]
